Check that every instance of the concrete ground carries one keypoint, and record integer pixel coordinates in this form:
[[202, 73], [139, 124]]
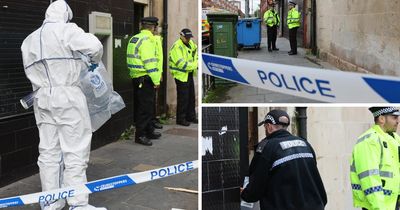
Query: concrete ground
[[178, 144], [248, 94]]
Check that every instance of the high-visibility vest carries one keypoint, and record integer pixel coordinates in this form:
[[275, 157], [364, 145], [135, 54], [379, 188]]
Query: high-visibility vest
[[271, 18], [293, 18], [183, 60], [142, 57], [159, 54], [374, 170]]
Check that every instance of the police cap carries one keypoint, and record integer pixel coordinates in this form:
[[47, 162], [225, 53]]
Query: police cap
[[292, 3], [150, 20], [187, 33], [276, 117], [378, 111]]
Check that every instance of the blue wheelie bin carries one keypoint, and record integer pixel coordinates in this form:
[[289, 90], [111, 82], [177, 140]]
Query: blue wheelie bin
[[249, 33]]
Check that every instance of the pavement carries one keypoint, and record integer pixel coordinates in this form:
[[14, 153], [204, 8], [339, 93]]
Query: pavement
[[247, 94], [178, 144]]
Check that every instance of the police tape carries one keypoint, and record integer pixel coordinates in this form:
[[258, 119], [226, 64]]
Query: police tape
[[318, 84], [99, 185]]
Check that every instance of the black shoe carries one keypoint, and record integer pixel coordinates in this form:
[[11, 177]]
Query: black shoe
[[275, 49], [154, 135], [194, 121], [292, 53], [143, 140], [269, 50], [157, 125], [183, 122], [289, 52]]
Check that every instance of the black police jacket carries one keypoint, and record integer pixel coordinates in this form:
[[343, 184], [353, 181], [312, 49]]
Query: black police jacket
[[284, 175]]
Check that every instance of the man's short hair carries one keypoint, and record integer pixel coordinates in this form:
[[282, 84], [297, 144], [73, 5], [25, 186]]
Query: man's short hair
[[281, 126]]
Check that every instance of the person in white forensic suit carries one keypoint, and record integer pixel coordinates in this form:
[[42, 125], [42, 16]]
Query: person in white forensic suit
[[52, 62]]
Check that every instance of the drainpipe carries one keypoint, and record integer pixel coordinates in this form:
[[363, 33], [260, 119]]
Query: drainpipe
[[305, 23], [165, 55], [0, 168], [283, 17], [151, 8], [314, 27], [302, 121], [247, 9]]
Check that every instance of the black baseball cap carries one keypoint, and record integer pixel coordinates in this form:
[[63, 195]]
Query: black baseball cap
[[292, 3], [187, 33], [150, 20], [378, 111], [276, 117]]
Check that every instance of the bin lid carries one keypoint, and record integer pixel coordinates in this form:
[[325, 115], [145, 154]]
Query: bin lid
[[249, 20], [222, 16], [219, 13]]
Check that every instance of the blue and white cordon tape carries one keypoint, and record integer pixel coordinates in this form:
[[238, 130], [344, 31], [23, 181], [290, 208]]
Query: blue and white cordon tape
[[99, 185], [323, 85]]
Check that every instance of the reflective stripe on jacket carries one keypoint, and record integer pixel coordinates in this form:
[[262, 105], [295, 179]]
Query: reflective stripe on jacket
[[271, 18], [159, 54], [142, 57], [283, 175], [183, 60], [293, 18], [374, 170]]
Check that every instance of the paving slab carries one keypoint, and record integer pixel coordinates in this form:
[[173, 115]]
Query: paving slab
[[178, 144]]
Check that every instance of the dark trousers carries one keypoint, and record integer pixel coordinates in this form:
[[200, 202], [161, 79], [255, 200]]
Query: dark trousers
[[144, 101], [135, 106], [293, 39], [185, 107], [272, 33], [154, 118]]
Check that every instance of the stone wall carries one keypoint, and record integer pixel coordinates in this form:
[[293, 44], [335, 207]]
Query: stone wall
[[360, 35], [333, 132], [181, 14]]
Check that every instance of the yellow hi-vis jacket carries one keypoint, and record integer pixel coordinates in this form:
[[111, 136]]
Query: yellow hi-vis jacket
[[159, 54], [374, 170], [293, 18], [142, 56], [271, 18], [183, 60]]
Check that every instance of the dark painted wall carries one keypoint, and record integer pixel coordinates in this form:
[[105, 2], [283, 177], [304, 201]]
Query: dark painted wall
[[18, 132], [220, 170]]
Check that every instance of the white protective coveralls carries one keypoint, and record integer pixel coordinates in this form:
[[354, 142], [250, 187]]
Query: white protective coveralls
[[52, 62]]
